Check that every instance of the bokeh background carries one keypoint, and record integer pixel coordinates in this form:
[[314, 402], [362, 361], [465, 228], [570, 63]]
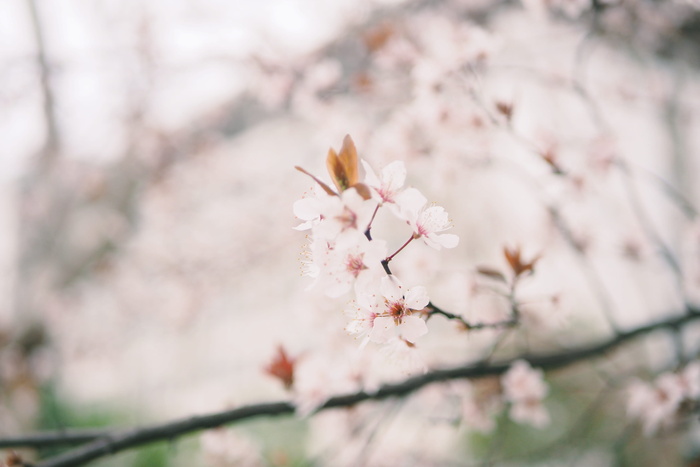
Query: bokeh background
[[148, 262]]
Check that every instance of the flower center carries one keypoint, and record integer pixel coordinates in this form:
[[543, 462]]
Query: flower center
[[355, 265], [397, 310], [348, 219]]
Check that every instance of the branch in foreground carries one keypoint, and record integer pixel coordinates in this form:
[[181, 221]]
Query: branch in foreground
[[123, 440], [54, 438]]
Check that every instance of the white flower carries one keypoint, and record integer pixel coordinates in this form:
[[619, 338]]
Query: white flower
[[522, 382], [524, 388], [340, 216], [403, 357], [359, 263], [426, 222], [361, 323], [690, 380], [386, 188], [478, 410], [655, 405], [532, 412], [222, 447], [309, 211], [393, 311]]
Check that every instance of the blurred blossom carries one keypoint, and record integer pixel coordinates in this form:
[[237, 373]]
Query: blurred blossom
[[479, 409], [524, 388], [224, 447], [656, 404]]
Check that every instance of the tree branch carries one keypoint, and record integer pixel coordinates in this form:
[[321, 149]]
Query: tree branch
[[51, 143], [54, 438], [116, 441]]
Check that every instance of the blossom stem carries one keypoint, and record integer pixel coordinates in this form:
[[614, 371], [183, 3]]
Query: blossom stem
[[506, 323], [369, 226], [410, 239]]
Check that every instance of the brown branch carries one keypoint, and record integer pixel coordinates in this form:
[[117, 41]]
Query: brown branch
[[508, 323], [51, 143], [54, 438], [118, 441]]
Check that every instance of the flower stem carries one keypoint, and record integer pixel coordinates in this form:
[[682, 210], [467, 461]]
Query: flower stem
[[369, 226], [410, 239]]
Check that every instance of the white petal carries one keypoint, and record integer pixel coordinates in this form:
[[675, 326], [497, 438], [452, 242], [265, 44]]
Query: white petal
[[375, 251], [307, 208], [448, 240], [430, 241], [410, 202], [417, 298], [434, 219], [365, 281], [328, 229], [304, 225], [371, 178], [412, 327], [383, 330], [394, 175], [392, 288]]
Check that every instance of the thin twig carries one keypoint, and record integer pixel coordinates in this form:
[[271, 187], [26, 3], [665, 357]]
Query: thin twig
[[51, 143]]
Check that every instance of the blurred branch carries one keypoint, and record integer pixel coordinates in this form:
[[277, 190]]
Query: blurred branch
[[54, 438], [51, 143], [117, 441]]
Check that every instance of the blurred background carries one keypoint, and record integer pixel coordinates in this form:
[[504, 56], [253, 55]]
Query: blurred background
[[148, 262]]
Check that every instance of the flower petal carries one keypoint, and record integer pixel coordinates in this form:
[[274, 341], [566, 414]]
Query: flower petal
[[412, 327], [409, 203], [307, 208], [383, 330], [447, 240], [417, 298], [394, 176], [391, 288]]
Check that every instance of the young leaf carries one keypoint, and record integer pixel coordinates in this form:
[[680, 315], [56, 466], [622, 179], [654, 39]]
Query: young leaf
[[491, 273], [282, 368]]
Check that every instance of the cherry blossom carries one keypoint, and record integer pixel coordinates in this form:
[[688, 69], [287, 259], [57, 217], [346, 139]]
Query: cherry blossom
[[426, 222], [391, 312], [525, 388], [655, 405], [403, 356], [478, 408], [319, 377], [358, 264], [386, 188], [308, 210], [342, 216], [223, 446], [361, 323], [690, 380]]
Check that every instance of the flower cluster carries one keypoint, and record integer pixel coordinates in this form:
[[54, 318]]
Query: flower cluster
[[657, 405], [525, 388], [343, 256]]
